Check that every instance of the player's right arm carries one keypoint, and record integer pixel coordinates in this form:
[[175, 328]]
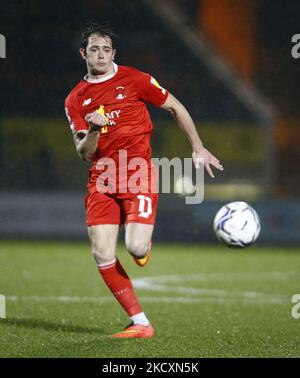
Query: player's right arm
[[86, 141], [85, 131]]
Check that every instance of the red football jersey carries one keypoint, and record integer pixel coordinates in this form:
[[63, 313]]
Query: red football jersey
[[122, 97]]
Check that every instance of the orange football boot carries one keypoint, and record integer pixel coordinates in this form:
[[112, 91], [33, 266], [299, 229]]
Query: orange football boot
[[135, 331], [144, 260]]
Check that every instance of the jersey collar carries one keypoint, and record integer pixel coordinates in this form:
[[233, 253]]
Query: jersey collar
[[102, 79]]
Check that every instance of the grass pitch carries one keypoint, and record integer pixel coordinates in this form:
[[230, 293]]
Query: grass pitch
[[204, 301]]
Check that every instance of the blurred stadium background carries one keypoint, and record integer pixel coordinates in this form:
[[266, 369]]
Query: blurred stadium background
[[228, 61]]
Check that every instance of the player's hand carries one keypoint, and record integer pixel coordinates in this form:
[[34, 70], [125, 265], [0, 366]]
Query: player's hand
[[203, 156], [96, 120]]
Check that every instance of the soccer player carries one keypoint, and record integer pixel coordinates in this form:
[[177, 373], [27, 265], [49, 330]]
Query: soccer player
[[107, 114]]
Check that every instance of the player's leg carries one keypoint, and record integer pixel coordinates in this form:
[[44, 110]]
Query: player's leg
[[140, 210], [140, 213], [138, 242], [103, 242], [103, 239], [140, 326], [103, 219]]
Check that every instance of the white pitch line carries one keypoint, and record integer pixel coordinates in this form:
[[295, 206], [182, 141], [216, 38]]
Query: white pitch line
[[167, 284], [160, 299], [37, 298], [215, 293], [225, 276]]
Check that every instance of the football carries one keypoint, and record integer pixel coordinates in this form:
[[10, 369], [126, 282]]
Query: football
[[237, 224]]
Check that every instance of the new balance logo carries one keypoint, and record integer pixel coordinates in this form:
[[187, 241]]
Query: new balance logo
[[87, 102]]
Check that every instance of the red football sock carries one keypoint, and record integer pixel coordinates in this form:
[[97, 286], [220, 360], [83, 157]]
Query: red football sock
[[120, 285]]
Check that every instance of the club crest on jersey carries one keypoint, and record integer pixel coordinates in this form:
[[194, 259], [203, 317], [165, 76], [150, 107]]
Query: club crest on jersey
[[120, 93], [87, 102]]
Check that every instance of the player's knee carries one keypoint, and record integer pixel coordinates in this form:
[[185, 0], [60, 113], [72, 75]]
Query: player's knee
[[102, 256], [137, 248]]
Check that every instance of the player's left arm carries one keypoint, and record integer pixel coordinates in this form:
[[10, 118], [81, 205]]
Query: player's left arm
[[200, 153]]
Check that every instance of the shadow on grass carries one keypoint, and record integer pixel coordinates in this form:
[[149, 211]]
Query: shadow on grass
[[48, 326]]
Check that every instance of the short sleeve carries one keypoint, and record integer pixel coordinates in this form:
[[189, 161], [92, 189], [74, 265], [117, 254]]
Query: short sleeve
[[76, 122], [149, 89]]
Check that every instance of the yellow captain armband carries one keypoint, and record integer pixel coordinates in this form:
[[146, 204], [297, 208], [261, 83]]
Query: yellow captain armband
[[102, 112]]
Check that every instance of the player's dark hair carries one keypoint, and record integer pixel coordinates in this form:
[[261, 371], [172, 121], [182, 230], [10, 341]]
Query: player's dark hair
[[104, 30]]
